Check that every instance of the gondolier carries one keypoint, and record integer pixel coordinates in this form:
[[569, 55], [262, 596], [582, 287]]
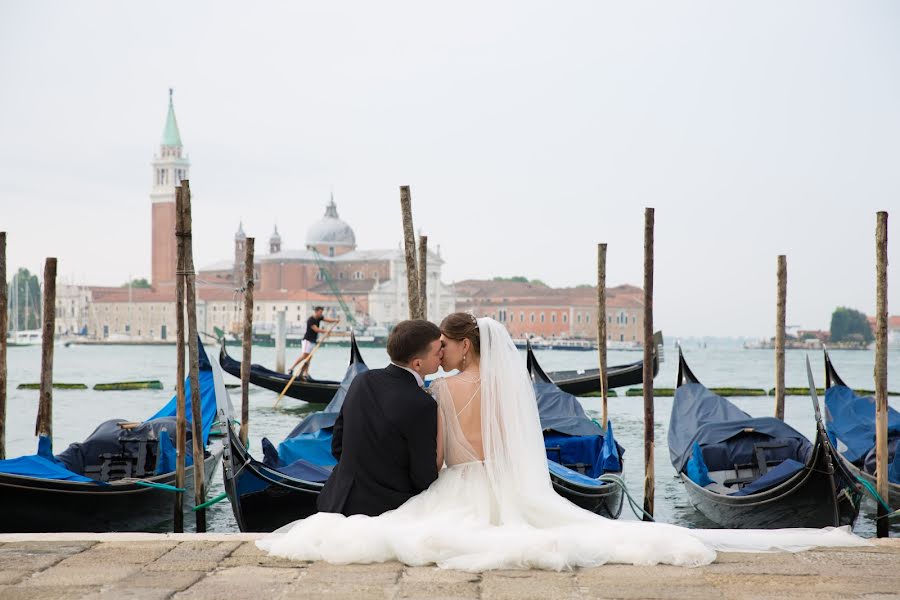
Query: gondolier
[[313, 329]]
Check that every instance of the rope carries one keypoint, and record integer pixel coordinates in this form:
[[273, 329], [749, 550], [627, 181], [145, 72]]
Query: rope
[[218, 498], [160, 486], [635, 507], [874, 493]]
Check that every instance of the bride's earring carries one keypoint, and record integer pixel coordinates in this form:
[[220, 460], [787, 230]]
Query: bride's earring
[[464, 362]]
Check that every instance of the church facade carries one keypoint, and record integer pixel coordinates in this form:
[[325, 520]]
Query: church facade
[[329, 270]]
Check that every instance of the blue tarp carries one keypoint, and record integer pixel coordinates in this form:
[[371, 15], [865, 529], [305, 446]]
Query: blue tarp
[[696, 468], [207, 398], [574, 476], [700, 416], [598, 451], [310, 440], [562, 412], [41, 465], [851, 419]]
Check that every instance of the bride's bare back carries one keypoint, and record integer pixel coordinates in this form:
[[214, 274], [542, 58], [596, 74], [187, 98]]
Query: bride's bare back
[[459, 400]]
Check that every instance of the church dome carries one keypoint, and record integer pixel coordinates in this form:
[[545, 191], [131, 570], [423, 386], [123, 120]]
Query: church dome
[[330, 230]]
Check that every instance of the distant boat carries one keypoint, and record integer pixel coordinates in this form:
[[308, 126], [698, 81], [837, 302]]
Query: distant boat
[[850, 422], [746, 472], [29, 337], [314, 391], [587, 381]]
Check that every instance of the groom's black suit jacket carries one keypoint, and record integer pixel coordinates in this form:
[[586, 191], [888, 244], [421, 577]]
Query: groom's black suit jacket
[[385, 441]]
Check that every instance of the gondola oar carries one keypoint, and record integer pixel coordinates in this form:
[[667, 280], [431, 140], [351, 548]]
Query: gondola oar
[[300, 366]]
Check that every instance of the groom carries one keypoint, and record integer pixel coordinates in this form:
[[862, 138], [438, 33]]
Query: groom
[[385, 438]]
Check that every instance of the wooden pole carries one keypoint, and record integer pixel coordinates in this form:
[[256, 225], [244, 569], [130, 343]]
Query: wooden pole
[[409, 242], [44, 425], [423, 276], [649, 476], [4, 328], [780, 324], [881, 352], [190, 293], [601, 329], [280, 340], [180, 412], [247, 340]]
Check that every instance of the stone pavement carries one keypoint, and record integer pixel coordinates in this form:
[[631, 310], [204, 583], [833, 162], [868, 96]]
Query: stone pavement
[[148, 566]]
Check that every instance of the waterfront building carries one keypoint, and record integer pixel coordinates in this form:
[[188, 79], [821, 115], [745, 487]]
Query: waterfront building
[[535, 310]]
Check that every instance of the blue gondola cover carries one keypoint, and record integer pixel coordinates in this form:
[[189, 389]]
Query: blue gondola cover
[[702, 417], [851, 419]]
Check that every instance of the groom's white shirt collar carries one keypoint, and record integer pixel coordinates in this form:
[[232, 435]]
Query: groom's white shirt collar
[[418, 377]]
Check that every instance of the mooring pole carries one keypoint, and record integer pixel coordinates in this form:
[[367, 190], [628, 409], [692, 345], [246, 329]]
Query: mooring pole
[[247, 340], [180, 412], [881, 352], [44, 425], [780, 325], [409, 243], [649, 349], [190, 292], [601, 329], [4, 329], [423, 276]]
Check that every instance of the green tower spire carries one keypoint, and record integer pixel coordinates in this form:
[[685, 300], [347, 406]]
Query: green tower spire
[[171, 137]]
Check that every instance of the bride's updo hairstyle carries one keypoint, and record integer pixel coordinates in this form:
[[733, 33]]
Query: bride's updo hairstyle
[[462, 326]]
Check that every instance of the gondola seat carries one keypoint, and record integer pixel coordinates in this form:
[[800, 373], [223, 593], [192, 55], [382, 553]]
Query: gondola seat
[[773, 477]]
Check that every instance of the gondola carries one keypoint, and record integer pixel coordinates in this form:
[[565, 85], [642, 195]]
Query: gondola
[[587, 381], [314, 391], [745, 472], [578, 452], [850, 423], [116, 480], [283, 487]]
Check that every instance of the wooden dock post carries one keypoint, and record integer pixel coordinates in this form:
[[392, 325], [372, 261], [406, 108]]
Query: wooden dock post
[[601, 330], [44, 425], [409, 243], [247, 340], [881, 354], [190, 293], [780, 324], [649, 349], [4, 329], [180, 413], [423, 276]]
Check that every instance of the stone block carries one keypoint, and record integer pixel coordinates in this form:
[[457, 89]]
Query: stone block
[[10, 577], [16, 592], [81, 576]]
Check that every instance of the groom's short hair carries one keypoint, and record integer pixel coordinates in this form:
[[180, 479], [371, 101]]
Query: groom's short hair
[[409, 339]]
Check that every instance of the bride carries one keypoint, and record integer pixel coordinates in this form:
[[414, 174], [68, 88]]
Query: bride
[[493, 505]]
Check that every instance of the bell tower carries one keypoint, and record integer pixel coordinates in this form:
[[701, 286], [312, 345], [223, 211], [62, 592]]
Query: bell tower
[[169, 167]]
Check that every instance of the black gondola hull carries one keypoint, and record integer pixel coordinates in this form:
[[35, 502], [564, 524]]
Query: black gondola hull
[[262, 499], [605, 501], [821, 495], [313, 392], [588, 381], [29, 505]]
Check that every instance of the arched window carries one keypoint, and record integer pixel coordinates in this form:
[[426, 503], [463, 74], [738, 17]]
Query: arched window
[[565, 318], [553, 317], [542, 317], [521, 317], [532, 317]]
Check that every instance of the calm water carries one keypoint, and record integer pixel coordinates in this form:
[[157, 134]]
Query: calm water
[[76, 413]]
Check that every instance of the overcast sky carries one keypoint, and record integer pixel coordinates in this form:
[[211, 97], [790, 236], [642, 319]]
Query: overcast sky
[[528, 133]]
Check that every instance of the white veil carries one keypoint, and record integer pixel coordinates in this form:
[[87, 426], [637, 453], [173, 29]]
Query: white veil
[[514, 453]]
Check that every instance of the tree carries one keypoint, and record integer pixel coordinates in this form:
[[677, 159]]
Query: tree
[[138, 283], [848, 325], [515, 279], [24, 300]]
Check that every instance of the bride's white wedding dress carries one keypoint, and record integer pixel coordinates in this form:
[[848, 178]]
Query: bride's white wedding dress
[[502, 512]]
